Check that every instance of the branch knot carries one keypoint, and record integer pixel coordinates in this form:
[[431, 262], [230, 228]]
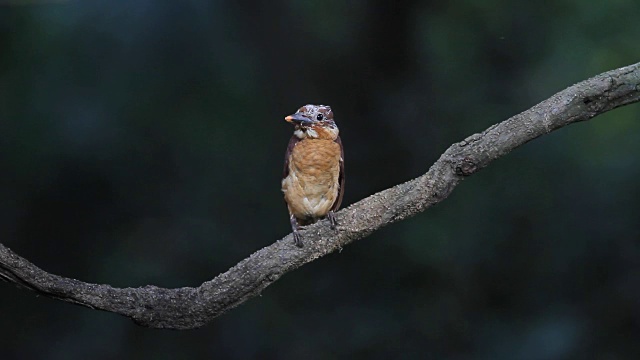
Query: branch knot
[[466, 167]]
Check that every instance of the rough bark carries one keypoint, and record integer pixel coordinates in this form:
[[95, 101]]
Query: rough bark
[[187, 308]]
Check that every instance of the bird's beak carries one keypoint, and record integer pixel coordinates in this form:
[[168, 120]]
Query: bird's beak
[[298, 119]]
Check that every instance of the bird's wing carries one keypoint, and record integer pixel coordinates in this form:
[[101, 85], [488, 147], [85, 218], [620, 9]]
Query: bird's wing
[[336, 204], [292, 142]]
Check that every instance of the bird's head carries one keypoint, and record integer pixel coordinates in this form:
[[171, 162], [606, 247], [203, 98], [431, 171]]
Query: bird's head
[[314, 121]]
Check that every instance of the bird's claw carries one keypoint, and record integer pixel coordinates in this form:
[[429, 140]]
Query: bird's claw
[[333, 223], [297, 239]]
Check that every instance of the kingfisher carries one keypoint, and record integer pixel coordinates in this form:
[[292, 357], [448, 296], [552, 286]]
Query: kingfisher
[[313, 179]]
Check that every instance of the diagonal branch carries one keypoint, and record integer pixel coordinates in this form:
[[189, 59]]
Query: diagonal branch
[[187, 308]]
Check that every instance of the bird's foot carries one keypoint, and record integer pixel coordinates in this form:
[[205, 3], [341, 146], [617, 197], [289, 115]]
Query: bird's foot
[[297, 239], [333, 223]]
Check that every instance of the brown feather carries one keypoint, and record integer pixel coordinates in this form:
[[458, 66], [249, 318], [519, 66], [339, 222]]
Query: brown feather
[[312, 190]]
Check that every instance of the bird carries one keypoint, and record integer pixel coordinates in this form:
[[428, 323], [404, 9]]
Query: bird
[[313, 178]]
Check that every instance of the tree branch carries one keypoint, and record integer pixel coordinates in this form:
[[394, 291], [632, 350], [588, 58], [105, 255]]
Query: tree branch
[[187, 308]]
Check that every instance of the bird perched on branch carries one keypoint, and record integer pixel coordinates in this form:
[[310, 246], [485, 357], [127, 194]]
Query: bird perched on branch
[[313, 179]]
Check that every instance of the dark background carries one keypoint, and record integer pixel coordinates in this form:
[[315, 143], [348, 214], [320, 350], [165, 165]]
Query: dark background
[[142, 142]]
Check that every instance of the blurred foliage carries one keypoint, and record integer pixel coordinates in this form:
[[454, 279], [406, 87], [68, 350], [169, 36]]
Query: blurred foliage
[[142, 143]]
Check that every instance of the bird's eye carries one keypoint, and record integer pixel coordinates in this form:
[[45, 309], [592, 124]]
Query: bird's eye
[[319, 117]]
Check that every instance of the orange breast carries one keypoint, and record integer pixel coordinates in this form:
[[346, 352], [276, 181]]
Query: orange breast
[[311, 187]]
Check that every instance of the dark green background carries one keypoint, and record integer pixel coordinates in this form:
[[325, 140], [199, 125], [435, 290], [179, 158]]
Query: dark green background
[[142, 142]]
